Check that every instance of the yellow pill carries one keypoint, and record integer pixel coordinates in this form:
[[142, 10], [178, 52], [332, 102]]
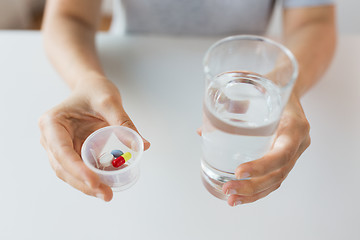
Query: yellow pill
[[126, 156]]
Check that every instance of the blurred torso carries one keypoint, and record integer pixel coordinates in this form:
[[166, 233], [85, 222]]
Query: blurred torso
[[195, 17]]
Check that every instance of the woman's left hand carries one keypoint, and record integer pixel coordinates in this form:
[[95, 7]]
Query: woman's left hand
[[267, 173]]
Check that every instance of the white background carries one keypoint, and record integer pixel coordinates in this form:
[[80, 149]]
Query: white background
[[161, 80], [319, 200], [348, 16]]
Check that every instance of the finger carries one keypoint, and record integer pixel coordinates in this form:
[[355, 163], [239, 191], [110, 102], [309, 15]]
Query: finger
[[61, 148], [206, 127], [113, 112], [124, 120], [199, 131], [293, 130], [103, 191], [283, 151], [235, 200], [292, 133], [239, 107], [255, 185], [283, 156]]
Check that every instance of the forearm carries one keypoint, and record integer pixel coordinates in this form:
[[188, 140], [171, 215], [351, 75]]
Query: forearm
[[313, 44], [70, 44]]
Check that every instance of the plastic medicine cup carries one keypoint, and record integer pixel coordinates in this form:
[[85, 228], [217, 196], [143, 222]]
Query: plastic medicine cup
[[106, 139]]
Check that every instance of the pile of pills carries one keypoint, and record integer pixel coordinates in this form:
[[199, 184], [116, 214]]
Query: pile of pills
[[116, 158]]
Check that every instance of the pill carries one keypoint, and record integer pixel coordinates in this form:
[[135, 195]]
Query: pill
[[117, 162], [126, 156], [106, 159], [117, 153]]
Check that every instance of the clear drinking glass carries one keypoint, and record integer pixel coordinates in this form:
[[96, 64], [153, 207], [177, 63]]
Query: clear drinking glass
[[248, 80], [104, 141]]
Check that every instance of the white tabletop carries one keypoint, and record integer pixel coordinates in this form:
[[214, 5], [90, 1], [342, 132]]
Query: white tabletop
[[161, 83]]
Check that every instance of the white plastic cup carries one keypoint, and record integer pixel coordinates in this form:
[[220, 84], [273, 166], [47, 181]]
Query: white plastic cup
[[114, 138]]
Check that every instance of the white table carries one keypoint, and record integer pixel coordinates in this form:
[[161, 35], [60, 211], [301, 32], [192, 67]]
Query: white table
[[162, 83]]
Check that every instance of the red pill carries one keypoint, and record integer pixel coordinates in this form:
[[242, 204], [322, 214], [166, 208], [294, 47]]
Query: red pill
[[117, 162]]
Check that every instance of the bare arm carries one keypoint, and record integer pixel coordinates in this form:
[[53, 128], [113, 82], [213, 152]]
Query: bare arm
[[310, 34], [69, 37], [95, 102]]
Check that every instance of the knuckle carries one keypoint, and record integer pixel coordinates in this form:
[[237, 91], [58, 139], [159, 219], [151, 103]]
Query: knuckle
[[281, 174], [43, 120], [60, 152], [288, 154], [57, 168], [59, 173], [308, 142], [42, 141], [307, 126], [249, 189], [305, 144], [107, 101], [128, 123], [46, 119], [83, 188], [304, 126], [56, 152], [258, 169], [277, 186]]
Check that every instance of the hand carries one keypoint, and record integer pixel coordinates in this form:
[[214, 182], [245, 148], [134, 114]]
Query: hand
[[267, 173], [65, 127]]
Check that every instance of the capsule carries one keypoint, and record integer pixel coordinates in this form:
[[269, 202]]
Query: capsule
[[126, 156], [117, 162], [121, 160]]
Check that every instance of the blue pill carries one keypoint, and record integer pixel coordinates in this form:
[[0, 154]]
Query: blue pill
[[116, 153]]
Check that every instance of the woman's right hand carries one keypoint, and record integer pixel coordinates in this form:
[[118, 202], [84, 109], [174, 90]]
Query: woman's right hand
[[65, 127]]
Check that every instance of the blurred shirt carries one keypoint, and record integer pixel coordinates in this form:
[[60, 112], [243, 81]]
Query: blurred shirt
[[199, 17]]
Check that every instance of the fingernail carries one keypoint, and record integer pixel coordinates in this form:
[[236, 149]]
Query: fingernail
[[101, 196], [238, 202], [244, 175], [231, 191], [88, 184], [146, 141]]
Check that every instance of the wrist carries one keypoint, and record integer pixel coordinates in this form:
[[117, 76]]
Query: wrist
[[96, 89], [294, 99], [293, 106], [90, 81], [298, 91]]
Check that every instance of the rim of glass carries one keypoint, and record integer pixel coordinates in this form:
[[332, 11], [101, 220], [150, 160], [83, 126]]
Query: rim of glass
[[135, 163], [284, 49]]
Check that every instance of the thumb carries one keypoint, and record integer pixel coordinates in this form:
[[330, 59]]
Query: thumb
[[115, 115]]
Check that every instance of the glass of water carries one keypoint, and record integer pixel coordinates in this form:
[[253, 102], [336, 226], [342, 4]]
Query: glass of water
[[248, 81]]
